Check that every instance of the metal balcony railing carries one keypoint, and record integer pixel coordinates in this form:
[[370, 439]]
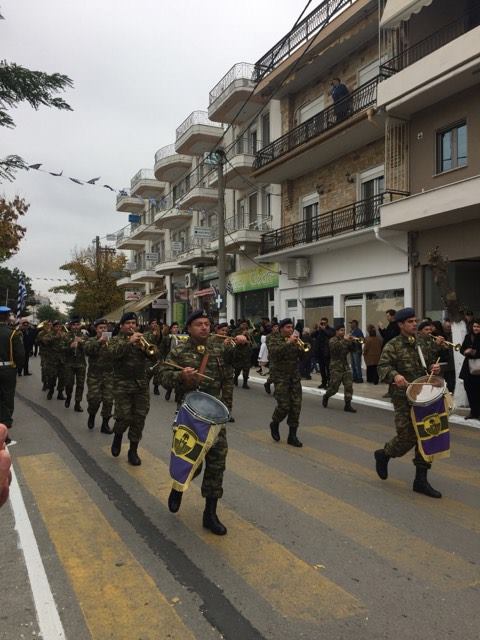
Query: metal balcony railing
[[143, 265], [431, 43], [362, 214], [360, 99], [199, 178], [125, 193], [196, 117], [314, 22], [125, 233], [143, 174], [165, 152], [239, 71], [241, 146], [243, 222], [192, 243], [168, 256]]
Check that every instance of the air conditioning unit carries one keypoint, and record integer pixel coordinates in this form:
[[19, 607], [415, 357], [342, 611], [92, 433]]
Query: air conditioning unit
[[298, 269], [190, 280]]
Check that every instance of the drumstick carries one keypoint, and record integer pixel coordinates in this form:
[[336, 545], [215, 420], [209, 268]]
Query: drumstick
[[177, 366], [431, 375]]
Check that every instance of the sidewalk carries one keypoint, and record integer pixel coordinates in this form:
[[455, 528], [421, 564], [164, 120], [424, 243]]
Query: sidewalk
[[366, 394]]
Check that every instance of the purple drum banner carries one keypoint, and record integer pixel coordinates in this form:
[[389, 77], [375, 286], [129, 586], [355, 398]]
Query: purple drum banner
[[431, 426]]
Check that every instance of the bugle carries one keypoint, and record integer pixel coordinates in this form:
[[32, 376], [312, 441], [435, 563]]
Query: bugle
[[149, 348], [455, 347], [355, 339], [300, 344]]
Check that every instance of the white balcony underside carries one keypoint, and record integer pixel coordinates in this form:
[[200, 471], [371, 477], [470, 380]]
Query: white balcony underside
[[147, 232], [451, 204], [130, 244], [226, 108], [239, 240], [127, 204], [443, 73], [200, 198], [171, 267], [198, 139], [124, 283], [172, 219], [145, 275], [148, 188], [172, 168], [196, 257]]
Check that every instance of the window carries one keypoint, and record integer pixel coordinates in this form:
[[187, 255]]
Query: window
[[265, 129], [368, 72], [310, 109], [452, 147]]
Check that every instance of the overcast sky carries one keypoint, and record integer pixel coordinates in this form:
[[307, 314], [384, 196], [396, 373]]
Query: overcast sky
[[139, 67]]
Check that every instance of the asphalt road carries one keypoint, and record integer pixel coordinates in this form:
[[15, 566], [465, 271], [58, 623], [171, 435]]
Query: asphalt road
[[317, 545]]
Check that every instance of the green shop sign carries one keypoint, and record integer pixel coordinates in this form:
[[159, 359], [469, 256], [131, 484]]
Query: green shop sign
[[259, 278]]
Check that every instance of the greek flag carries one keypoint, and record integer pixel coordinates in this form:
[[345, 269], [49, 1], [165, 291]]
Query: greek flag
[[22, 296]]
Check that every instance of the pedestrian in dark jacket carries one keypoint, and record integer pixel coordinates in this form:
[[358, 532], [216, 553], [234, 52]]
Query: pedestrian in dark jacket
[[471, 350], [28, 336], [392, 328], [322, 350], [371, 353]]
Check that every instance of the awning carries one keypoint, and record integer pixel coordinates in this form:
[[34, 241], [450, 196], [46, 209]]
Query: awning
[[146, 300], [398, 10], [116, 314]]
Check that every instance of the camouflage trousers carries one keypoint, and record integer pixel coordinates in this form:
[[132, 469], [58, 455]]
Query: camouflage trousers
[[288, 394], [55, 373], [406, 437], [132, 403], [336, 379], [100, 392], [75, 376], [212, 483], [43, 369]]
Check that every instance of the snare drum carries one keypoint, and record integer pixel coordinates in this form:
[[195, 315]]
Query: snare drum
[[426, 390], [205, 407]]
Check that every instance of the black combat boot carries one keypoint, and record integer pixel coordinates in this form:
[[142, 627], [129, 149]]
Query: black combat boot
[[78, 407], [421, 484], [348, 407], [325, 401], [133, 458], [168, 394], [60, 396], [292, 437], [50, 394], [210, 518], [175, 500], [105, 428], [245, 384], [274, 430], [235, 380], [381, 463], [91, 421], [67, 401], [267, 387], [156, 391], [116, 445], [231, 419]]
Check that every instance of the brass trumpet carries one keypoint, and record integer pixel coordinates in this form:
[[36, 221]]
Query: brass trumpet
[[149, 348], [301, 345], [455, 347], [359, 340], [227, 339]]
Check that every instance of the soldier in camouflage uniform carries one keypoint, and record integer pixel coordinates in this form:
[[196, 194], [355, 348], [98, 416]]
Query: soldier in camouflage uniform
[[46, 327], [340, 370], [12, 354], [130, 384], [154, 336], [285, 355], [207, 354], [99, 377], [399, 364], [169, 341], [230, 347], [75, 364], [268, 383], [242, 356], [54, 352]]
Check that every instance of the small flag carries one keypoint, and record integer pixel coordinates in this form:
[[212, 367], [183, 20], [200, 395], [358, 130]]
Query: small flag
[[22, 296]]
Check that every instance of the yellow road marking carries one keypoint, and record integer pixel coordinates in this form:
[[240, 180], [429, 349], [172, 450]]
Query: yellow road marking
[[117, 596], [406, 551], [291, 586]]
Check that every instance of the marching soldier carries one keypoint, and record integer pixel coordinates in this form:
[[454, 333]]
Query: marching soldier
[[12, 355], [41, 332], [285, 355], [130, 379], [99, 377], [268, 383], [400, 363], [222, 330], [54, 352], [242, 356], [200, 354], [75, 364], [340, 370], [154, 336]]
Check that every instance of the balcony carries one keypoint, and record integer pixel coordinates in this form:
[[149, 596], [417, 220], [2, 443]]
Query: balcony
[[125, 283], [194, 191], [126, 240], [148, 231], [439, 66], [196, 253], [304, 238], [454, 203], [339, 129], [145, 185], [145, 272], [197, 134], [170, 165], [127, 203], [238, 167], [231, 99], [241, 233], [169, 217], [169, 265]]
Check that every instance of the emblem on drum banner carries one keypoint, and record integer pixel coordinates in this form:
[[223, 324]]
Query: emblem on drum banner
[[431, 426], [184, 443]]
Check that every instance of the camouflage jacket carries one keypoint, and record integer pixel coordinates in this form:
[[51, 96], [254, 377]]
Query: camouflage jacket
[[400, 356], [11, 345], [339, 350], [99, 357], [284, 358], [242, 355], [187, 355], [75, 356], [53, 345], [129, 360]]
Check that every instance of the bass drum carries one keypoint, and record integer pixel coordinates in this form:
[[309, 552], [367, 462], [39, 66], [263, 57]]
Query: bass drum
[[426, 390], [206, 407]]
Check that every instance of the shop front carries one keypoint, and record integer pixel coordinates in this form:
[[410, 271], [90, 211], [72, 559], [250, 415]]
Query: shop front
[[254, 291]]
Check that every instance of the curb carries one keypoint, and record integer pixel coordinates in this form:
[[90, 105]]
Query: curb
[[373, 402]]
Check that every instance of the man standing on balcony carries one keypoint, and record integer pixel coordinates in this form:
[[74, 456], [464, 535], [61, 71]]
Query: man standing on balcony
[[340, 94]]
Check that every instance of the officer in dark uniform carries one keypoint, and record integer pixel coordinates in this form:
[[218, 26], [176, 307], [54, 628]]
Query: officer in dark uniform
[[12, 356]]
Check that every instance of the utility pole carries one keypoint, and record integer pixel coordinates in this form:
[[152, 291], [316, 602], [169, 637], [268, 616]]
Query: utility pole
[[222, 310]]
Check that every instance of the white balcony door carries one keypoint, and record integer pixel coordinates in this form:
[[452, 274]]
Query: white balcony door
[[310, 109], [309, 211], [372, 183], [368, 72]]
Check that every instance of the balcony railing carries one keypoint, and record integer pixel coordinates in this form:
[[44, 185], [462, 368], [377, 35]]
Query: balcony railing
[[241, 70], [243, 222], [431, 43], [165, 152], [196, 117], [126, 232], [353, 217], [303, 31], [143, 174], [243, 146], [125, 193], [197, 178], [360, 99]]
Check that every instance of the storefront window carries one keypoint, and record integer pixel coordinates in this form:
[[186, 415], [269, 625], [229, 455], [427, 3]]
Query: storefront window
[[253, 305], [316, 308], [378, 302], [464, 278]]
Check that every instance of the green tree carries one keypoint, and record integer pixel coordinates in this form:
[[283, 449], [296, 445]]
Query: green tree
[[47, 312], [94, 282], [9, 288], [10, 231]]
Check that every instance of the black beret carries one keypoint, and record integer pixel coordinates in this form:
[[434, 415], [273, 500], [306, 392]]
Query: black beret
[[198, 313], [404, 314], [100, 321], [339, 325], [130, 315], [75, 319], [222, 325], [285, 321]]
